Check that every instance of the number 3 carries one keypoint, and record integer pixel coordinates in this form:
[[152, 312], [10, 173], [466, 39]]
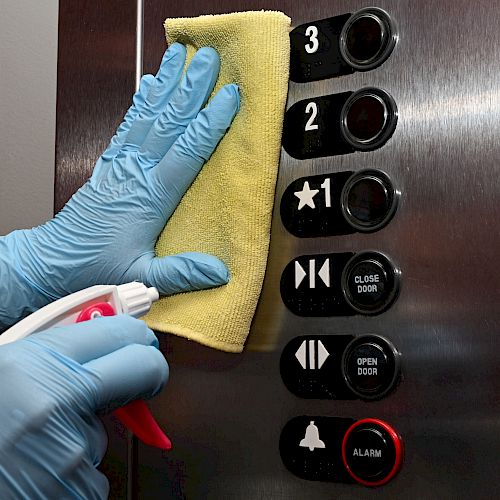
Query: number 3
[[312, 33], [312, 108]]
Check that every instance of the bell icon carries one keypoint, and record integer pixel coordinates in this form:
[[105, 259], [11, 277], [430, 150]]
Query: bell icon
[[311, 439]]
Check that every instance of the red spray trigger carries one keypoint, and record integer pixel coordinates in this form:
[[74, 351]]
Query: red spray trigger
[[135, 415]]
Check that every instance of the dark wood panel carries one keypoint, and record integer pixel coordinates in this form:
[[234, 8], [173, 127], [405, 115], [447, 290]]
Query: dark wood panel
[[96, 79]]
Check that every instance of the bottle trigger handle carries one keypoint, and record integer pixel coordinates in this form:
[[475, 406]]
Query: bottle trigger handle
[[136, 415]]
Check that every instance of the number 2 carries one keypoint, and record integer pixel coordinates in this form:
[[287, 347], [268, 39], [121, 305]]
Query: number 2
[[312, 33], [312, 108]]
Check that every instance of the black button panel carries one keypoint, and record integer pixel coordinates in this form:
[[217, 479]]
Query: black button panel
[[338, 203], [311, 206], [315, 50], [342, 44], [311, 367], [339, 123], [317, 448], [339, 284], [311, 285], [311, 448], [339, 366], [312, 127]]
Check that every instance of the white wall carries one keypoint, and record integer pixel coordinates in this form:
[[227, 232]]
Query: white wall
[[28, 65]]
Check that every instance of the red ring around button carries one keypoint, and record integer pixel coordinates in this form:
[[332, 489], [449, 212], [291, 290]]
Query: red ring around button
[[101, 308], [398, 448]]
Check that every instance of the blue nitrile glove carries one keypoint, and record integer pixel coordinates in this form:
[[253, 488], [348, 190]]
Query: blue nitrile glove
[[52, 384], [107, 232]]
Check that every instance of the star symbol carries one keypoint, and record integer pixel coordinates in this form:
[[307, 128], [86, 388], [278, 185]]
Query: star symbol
[[306, 196]]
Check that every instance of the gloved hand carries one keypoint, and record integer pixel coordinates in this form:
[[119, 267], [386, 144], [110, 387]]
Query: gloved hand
[[107, 232], [51, 384]]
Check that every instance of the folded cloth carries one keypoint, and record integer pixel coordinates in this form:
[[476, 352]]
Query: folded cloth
[[227, 210]]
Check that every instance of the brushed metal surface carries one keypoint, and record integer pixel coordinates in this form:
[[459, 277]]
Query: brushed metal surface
[[224, 412]]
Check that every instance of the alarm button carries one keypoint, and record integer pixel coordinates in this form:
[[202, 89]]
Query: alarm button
[[372, 452]]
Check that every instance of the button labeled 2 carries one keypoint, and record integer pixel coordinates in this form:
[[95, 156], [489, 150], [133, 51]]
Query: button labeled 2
[[339, 123]]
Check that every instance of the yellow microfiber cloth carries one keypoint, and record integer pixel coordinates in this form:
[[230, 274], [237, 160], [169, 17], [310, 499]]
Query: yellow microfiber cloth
[[227, 211]]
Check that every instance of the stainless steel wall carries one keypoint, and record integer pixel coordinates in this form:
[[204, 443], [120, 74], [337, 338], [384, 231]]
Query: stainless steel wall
[[27, 111], [225, 412]]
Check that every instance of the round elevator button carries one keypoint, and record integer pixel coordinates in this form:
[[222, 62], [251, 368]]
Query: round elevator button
[[370, 282], [368, 118], [364, 38], [370, 366], [368, 38], [369, 200], [372, 452]]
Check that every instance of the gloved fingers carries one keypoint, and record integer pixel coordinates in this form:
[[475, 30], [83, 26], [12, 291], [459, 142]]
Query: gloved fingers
[[98, 441], [93, 339], [62, 458], [185, 272], [133, 372], [164, 84], [80, 477], [138, 103], [95, 437], [184, 105], [179, 167]]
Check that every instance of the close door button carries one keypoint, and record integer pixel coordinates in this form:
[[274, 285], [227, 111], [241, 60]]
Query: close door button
[[370, 282], [372, 452]]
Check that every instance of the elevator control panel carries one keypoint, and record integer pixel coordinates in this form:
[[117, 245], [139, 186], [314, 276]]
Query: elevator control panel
[[365, 282]]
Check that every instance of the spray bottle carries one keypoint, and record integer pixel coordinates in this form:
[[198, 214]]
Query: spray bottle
[[100, 300]]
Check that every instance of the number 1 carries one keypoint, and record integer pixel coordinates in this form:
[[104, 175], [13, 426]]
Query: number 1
[[326, 187]]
